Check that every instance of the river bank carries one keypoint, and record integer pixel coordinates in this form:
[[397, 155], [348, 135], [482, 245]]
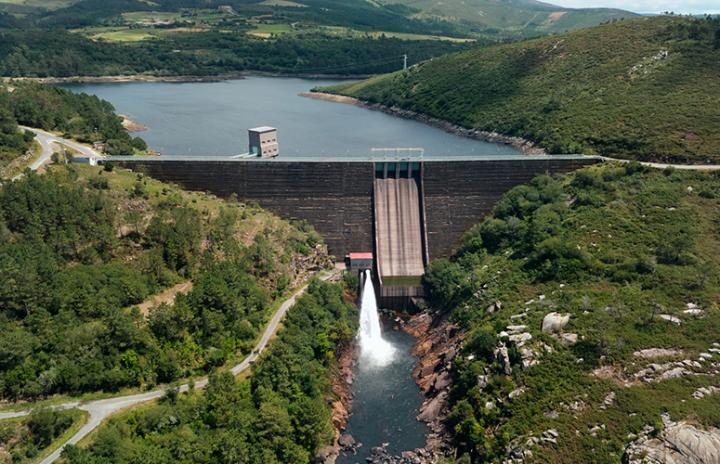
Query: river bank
[[526, 146], [119, 79], [341, 402], [435, 344]]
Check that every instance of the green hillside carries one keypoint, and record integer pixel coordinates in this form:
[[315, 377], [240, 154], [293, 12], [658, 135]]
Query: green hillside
[[644, 89], [82, 251], [513, 18], [630, 258]]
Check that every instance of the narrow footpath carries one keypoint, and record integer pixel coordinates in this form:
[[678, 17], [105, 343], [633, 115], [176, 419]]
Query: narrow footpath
[[100, 410]]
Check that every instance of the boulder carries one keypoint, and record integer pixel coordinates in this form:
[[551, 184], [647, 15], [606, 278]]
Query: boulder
[[653, 353], [670, 318], [327, 455], [555, 322], [518, 392], [346, 440], [678, 443], [568, 339], [442, 381], [431, 410], [482, 381], [520, 339], [502, 356], [516, 329]]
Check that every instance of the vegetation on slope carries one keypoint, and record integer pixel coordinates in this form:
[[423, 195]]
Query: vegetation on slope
[[80, 247], [510, 19], [58, 53], [188, 37], [24, 440], [280, 415], [633, 257], [78, 116], [643, 89]]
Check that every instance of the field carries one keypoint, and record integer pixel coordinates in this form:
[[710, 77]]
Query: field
[[140, 16], [349, 32], [45, 4], [112, 34], [264, 30]]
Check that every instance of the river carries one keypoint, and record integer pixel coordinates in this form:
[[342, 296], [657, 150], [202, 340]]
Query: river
[[212, 118], [385, 403]]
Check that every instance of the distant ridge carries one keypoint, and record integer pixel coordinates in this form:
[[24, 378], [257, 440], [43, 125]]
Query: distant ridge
[[640, 89], [511, 18]]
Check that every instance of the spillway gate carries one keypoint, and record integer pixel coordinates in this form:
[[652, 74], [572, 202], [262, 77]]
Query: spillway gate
[[399, 231]]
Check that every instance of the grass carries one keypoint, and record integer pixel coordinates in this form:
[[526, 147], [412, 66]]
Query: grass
[[265, 31], [402, 281], [140, 16], [123, 35], [346, 31], [608, 90]]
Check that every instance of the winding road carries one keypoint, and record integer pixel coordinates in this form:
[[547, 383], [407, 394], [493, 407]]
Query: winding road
[[46, 141], [99, 410]]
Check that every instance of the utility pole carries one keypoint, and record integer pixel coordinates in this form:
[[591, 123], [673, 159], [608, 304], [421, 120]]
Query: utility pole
[[405, 62]]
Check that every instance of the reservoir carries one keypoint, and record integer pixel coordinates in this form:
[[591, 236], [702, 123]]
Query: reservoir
[[212, 118]]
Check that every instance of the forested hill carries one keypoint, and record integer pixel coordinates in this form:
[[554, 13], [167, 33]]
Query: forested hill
[[590, 304], [645, 89], [213, 37], [510, 18], [507, 19], [82, 117], [82, 248]]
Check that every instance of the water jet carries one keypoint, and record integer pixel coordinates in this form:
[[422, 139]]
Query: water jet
[[374, 349]]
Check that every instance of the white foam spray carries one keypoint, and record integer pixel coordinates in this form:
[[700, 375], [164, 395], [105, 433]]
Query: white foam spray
[[374, 349]]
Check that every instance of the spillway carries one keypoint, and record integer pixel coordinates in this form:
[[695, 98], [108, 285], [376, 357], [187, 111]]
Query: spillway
[[398, 228]]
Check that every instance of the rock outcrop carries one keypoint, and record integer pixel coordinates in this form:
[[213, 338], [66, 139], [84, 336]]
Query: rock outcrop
[[554, 322], [438, 342], [341, 401], [678, 443]]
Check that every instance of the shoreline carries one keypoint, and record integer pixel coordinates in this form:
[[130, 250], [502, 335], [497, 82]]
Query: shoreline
[[525, 146], [120, 79], [437, 342], [341, 403]]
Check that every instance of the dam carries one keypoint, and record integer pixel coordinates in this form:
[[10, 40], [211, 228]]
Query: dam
[[407, 212]]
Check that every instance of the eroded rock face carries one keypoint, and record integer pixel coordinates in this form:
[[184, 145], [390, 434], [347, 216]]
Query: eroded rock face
[[554, 322], [678, 443]]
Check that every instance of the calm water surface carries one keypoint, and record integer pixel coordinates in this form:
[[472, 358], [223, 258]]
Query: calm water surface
[[212, 118], [386, 403]]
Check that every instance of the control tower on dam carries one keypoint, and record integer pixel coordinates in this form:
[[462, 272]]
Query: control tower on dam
[[406, 211]]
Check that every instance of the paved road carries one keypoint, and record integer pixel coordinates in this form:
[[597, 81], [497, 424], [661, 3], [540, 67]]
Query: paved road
[[99, 410], [684, 167], [48, 142]]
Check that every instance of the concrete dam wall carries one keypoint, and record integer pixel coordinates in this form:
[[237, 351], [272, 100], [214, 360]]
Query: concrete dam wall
[[398, 237], [337, 197]]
